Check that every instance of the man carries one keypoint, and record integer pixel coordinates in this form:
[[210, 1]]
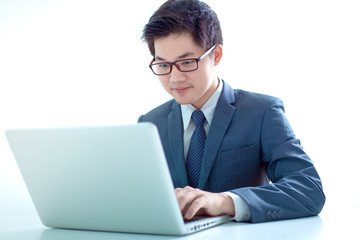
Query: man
[[223, 146]]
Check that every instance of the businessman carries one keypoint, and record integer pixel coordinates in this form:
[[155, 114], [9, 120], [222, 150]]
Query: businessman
[[229, 151]]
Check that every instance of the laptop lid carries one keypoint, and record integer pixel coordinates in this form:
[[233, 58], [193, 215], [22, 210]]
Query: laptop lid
[[110, 178]]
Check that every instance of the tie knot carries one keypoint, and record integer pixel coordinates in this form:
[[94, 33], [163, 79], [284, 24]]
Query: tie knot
[[198, 118]]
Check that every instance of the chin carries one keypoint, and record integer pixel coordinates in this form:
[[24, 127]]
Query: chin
[[182, 101]]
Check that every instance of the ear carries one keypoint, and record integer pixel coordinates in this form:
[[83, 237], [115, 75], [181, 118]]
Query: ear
[[218, 53]]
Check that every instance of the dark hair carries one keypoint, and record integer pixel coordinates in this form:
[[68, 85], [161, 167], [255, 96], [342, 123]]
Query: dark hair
[[177, 16]]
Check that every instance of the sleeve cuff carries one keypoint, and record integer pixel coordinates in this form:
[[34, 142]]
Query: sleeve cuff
[[242, 210]]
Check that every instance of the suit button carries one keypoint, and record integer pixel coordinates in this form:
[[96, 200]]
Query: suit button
[[274, 214], [268, 215]]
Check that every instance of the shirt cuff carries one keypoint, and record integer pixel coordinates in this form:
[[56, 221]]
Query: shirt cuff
[[242, 210]]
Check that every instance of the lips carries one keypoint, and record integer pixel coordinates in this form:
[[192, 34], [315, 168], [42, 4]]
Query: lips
[[181, 90]]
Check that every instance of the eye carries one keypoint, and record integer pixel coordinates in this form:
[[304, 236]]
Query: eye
[[187, 62], [162, 65]]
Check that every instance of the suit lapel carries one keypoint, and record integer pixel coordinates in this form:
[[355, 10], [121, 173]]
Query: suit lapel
[[222, 117], [175, 129]]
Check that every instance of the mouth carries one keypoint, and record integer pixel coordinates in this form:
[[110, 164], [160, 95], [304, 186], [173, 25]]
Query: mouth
[[181, 90]]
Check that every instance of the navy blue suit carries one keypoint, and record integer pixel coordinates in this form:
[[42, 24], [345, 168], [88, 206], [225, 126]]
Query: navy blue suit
[[250, 142]]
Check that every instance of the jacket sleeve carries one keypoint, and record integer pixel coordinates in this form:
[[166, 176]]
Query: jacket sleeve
[[295, 189]]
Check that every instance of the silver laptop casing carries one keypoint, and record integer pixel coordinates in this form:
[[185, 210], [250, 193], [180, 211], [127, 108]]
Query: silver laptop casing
[[110, 178]]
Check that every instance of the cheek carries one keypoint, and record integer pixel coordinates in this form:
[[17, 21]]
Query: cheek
[[203, 71], [164, 82], [199, 79]]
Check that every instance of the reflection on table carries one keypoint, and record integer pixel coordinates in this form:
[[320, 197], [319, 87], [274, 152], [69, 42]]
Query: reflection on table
[[305, 228]]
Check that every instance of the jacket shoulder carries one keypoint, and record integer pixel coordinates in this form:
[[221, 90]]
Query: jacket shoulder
[[255, 100], [158, 113]]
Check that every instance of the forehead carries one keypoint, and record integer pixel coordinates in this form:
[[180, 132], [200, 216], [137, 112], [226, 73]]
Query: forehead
[[174, 46]]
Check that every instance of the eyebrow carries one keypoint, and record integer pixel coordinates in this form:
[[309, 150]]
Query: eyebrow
[[187, 54]]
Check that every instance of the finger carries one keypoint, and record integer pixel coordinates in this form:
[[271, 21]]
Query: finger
[[195, 207], [180, 197], [212, 204], [185, 197], [184, 190]]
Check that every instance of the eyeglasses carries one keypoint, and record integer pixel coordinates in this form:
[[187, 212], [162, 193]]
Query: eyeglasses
[[184, 65]]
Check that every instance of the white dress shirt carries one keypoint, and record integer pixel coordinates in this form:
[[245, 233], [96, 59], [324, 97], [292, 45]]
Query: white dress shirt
[[242, 211]]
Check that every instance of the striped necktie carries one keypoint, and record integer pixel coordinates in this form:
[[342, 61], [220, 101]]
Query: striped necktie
[[196, 149]]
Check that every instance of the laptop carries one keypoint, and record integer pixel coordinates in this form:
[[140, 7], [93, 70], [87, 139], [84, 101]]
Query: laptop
[[105, 178]]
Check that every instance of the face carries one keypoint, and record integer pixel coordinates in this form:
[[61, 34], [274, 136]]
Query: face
[[194, 87]]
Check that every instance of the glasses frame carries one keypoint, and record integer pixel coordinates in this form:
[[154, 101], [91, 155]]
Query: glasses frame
[[177, 66]]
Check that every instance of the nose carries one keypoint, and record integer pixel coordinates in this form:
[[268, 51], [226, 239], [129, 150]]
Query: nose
[[176, 75]]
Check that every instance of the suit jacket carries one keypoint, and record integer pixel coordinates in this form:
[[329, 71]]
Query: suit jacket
[[250, 142]]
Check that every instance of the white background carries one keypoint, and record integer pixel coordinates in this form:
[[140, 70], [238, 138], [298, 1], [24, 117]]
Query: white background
[[76, 63]]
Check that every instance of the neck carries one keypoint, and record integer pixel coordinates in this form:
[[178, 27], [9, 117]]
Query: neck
[[207, 94]]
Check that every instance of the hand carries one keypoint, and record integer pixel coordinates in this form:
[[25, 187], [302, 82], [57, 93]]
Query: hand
[[195, 202]]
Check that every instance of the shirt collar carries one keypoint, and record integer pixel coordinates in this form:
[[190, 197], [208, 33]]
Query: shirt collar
[[208, 109]]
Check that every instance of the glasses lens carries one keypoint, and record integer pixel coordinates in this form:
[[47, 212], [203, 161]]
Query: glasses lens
[[187, 65], [161, 68]]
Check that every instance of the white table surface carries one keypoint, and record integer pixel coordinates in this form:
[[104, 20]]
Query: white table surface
[[318, 227], [30, 228], [339, 219]]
